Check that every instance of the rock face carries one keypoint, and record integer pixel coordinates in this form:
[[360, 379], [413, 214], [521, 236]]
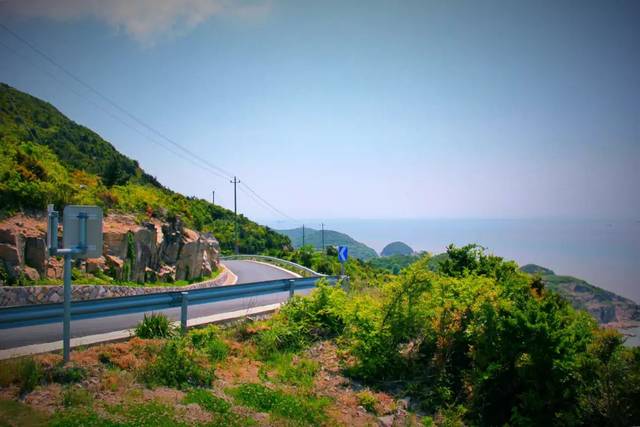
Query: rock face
[[132, 252]]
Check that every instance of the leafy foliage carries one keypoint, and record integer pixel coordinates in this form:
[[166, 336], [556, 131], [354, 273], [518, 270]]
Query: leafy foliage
[[178, 365], [476, 342]]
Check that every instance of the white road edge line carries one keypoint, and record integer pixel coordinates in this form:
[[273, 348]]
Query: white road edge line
[[232, 274], [275, 266], [29, 350]]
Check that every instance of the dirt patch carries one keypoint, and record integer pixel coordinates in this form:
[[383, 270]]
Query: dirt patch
[[238, 370], [129, 355], [46, 399], [331, 383]]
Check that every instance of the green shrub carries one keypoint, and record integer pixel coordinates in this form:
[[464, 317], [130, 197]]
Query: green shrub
[[177, 365], [155, 325], [208, 340], [367, 400], [302, 321], [30, 375], [76, 396], [308, 411], [66, 374]]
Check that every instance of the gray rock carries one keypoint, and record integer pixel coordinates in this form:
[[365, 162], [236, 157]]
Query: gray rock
[[386, 421]]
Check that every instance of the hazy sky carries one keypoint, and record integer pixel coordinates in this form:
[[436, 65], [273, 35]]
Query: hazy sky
[[370, 109]]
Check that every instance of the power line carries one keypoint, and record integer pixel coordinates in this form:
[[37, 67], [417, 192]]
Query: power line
[[190, 156], [106, 111], [278, 211], [113, 103]]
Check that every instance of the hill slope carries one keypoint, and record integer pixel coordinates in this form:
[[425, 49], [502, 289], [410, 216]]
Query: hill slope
[[331, 238], [605, 306], [47, 158]]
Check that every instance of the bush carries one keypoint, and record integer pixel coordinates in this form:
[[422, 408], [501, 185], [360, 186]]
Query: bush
[[302, 321], [155, 325], [75, 396], [177, 366], [367, 400], [208, 340], [66, 374]]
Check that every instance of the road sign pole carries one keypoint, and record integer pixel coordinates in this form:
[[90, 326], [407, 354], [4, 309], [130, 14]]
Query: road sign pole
[[183, 311], [66, 322]]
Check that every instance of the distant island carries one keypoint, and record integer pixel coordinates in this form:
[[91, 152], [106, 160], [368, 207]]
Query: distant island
[[313, 237], [605, 306], [396, 248]]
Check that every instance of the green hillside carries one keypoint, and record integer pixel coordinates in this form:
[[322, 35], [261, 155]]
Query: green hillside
[[47, 158], [331, 238]]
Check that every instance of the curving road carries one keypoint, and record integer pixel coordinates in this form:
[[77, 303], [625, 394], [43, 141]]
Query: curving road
[[246, 271]]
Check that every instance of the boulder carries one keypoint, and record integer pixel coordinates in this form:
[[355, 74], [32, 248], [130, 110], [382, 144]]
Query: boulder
[[12, 260], [95, 265], [172, 239], [114, 243], [35, 254], [167, 274], [190, 262], [55, 268], [146, 252], [114, 263], [30, 273]]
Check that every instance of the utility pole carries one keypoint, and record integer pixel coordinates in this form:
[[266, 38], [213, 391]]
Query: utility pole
[[322, 236], [302, 234], [235, 210], [213, 197]]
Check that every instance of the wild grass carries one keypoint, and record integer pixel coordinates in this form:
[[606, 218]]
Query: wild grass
[[155, 325]]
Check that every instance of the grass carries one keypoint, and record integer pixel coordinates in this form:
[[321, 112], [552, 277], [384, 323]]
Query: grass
[[291, 370], [207, 401], [13, 413], [76, 396], [155, 325], [300, 410]]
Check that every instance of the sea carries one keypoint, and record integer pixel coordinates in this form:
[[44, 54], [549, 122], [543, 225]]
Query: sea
[[605, 253]]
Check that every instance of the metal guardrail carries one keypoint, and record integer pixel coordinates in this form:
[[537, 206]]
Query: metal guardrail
[[13, 317], [276, 261]]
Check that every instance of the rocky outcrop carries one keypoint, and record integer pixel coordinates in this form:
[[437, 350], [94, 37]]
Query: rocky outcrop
[[605, 306], [132, 252]]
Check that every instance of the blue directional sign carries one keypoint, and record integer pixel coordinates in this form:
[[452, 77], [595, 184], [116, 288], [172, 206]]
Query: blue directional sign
[[343, 253]]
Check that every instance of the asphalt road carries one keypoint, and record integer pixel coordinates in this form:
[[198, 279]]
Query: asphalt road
[[247, 272]]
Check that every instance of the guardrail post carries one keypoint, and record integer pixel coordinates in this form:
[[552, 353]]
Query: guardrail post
[[183, 311], [66, 320], [292, 287]]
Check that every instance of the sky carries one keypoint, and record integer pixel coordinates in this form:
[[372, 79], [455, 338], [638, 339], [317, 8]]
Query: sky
[[354, 109]]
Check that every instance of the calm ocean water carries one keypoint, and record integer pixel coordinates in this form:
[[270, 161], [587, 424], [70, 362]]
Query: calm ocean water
[[604, 253]]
